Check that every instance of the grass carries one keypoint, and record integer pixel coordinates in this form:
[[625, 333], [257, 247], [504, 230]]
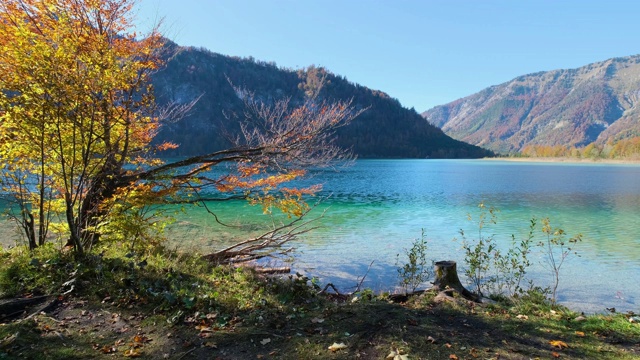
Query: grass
[[176, 306]]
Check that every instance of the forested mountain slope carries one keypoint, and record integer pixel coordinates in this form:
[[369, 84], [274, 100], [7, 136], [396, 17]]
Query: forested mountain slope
[[384, 130], [574, 107]]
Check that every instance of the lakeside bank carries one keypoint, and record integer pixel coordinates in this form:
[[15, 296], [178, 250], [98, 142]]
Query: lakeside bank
[[566, 160]]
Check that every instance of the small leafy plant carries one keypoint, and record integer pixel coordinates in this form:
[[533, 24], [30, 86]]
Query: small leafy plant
[[417, 269], [512, 267], [556, 248], [478, 254], [493, 271]]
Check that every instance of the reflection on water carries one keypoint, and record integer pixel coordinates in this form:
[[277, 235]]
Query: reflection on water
[[599, 201], [376, 208]]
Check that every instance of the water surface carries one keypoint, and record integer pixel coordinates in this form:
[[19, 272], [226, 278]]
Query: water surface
[[377, 207]]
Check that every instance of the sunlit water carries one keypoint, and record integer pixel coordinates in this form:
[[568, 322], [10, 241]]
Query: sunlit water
[[377, 207]]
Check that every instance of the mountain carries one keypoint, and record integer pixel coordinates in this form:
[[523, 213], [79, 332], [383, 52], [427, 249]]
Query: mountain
[[384, 130], [595, 103]]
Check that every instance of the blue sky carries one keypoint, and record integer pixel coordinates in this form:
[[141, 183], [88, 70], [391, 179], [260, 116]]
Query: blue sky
[[422, 52]]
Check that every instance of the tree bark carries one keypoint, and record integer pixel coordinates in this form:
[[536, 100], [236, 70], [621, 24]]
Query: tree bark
[[447, 277]]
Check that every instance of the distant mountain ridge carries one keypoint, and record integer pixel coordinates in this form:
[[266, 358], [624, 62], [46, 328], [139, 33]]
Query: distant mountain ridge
[[384, 130], [595, 103]]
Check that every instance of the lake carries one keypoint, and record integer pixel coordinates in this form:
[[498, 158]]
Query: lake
[[376, 208]]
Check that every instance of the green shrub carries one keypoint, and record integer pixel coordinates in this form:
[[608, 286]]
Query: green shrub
[[417, 269], [556, 248], [493, 271]]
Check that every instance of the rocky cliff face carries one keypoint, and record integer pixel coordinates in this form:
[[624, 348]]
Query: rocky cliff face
[[575, 107]]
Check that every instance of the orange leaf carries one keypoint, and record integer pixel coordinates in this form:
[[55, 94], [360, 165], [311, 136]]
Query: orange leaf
[[132, 353], [141, 339], [559, 344], [555, 354], [108, 349], [580, 333], [453, 357]]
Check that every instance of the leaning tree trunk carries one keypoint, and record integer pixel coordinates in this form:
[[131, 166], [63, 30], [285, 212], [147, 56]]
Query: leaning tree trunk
[[447, 278]]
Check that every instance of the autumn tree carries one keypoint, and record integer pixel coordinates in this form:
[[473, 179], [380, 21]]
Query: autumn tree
[[78, 117]]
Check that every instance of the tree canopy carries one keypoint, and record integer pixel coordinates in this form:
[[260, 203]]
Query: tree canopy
[[79, 114]]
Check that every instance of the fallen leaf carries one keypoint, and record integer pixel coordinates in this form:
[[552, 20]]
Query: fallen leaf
[[108, 349], [453, 357], [317, 320], [210, 344], [204, 328], [141, 339], [580, 333], [431, 339], [132, 353], [265, 341], [447, 345], [559, 344], [555, 354], [523, 317], [335, 347], [397, 354], [9, 339]]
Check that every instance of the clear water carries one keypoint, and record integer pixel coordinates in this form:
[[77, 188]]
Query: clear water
[[377, 207]]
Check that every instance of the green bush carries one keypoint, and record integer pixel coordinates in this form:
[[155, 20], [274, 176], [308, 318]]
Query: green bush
[[417, 269]]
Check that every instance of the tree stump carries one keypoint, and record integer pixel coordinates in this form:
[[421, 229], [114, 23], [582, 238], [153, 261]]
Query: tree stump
[[447, 277]]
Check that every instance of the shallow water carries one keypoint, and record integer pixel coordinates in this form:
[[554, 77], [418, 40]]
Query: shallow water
[[377, 207]]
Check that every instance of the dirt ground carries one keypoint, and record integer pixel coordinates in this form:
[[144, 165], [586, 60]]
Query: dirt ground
[[363, 329]]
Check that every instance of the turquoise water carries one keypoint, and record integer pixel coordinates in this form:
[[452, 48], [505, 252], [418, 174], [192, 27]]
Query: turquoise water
[[376, 208]]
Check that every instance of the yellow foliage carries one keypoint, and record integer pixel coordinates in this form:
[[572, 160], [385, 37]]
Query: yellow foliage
[[74, 99]]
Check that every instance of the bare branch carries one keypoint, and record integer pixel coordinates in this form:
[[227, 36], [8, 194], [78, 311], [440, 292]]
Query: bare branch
[[265, 244]]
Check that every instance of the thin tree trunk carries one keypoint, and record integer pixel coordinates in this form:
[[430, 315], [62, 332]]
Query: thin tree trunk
[[74, 238]]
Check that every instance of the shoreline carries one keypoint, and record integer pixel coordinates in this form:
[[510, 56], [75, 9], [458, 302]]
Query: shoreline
[[565, 160]]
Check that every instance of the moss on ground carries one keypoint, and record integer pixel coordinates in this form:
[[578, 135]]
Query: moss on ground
[[176, 306]]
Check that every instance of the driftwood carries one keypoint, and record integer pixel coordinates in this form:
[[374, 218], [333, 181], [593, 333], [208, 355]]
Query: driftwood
[[273, 270], [268, 244], [336, 294], [14, 308]]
